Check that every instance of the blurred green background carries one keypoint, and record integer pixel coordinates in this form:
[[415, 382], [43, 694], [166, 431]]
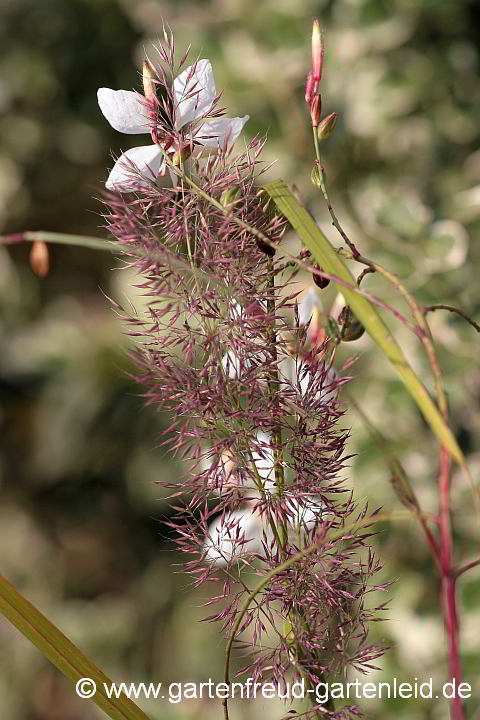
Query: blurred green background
[[81, 530]]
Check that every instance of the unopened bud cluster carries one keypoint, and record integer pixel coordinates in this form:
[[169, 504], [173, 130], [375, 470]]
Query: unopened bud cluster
[[323, 127]]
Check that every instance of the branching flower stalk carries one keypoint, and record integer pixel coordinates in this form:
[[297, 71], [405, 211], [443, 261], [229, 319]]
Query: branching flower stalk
[[442, 550]]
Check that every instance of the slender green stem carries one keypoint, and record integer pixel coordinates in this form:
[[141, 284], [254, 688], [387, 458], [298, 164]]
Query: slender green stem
[[85, 241], [273, 381], [323, 187]]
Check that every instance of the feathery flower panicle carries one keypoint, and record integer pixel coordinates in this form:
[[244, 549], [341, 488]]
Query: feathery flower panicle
[[255, 417]]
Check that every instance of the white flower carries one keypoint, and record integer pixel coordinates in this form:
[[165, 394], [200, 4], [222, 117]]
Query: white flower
[[329, 389], [308, 304], [264, 460], [194, 93], [231, 364], [235, 533], [309, 313]]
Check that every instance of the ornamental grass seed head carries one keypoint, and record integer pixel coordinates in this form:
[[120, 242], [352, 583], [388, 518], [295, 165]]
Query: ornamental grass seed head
[[254, 419]]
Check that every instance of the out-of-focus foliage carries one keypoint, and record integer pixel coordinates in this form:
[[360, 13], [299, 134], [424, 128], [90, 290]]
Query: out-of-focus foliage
[[80, 518]]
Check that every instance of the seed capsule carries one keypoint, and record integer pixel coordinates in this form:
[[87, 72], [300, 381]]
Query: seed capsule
[[321, 282], [267, 249], [402, 488], [352, 329], [333, 331]]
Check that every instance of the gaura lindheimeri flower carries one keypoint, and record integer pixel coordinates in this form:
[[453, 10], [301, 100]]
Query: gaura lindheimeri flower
[[309, 313], [193, 95], [231, 362], [235, 533]]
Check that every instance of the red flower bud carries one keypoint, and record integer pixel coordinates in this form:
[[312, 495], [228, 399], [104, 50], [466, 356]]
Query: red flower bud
[[310, 87], [318, 50]]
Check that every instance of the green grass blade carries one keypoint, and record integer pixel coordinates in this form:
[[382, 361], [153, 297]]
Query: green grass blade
[[332, 263], [62, 652]]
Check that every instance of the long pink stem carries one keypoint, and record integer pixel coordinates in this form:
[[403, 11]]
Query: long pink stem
[[448, 586]]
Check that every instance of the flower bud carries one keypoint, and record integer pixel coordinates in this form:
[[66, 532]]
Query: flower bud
[[352, 329], [39, 260], [325, 128], [229, 196], [320, 281], [310, 312], [148, 84], [317, 50], [310, 88], [316, 328]]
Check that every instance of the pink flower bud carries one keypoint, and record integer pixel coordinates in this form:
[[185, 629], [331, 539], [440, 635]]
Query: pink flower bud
[[310, 87], [312, 96], [317, 50], [317, 329]]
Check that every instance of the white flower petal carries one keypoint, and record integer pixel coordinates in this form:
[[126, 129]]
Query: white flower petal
[[231, 365], [264, 460], [236, 311], [124, 110], [306, 513], [194, 96], [226, 533], [146, 160], [329, 391], [307, 305], [220, 131]]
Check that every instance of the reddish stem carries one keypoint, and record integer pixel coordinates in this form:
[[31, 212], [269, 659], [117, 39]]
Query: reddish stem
[[448, 586], [12, 239]]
